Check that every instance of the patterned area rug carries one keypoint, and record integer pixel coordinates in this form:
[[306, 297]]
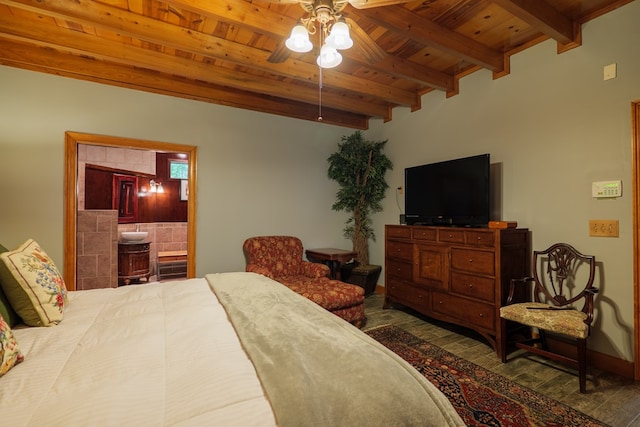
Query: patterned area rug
[[481, 397]]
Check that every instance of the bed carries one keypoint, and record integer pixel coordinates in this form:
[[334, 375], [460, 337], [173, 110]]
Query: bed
[[226, 349]]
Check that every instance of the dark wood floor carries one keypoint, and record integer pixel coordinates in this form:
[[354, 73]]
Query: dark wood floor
[[609, 398]]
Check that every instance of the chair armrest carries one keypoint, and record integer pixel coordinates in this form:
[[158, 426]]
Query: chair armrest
[[512, 286], [315, 269], [589, 293], [254, 268]]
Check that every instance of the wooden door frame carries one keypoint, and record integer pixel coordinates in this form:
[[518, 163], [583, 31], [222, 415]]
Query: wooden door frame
[[72, 140], [635, 158]]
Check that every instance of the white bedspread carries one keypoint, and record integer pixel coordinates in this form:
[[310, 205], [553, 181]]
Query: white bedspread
[[163, 354]]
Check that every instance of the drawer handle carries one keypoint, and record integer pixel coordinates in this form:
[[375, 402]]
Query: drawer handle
[[470, 285], [470, 259], [450, 235], [481, 314], [439, 302]]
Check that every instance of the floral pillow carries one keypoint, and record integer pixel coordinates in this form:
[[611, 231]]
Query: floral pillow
[[10, 354], [34, 287]]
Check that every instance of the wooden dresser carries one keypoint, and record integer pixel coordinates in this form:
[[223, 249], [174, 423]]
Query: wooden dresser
[[459, 275]]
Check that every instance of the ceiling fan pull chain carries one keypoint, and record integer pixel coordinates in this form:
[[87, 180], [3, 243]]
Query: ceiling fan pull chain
[[320, 77], [320, 96]]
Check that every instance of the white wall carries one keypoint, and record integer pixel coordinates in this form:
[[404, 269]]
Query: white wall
[[554, 126], [257, 173]]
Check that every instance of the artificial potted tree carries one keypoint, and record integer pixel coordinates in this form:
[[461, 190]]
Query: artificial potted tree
[[359, 166]]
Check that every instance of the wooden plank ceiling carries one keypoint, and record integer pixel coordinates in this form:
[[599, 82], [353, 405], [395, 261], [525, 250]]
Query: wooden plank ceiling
[[231, 52]]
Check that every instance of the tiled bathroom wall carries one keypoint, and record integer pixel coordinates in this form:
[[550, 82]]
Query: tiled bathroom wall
[[97, 249]]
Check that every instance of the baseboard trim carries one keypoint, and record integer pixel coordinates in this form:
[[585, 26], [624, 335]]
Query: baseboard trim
[[595, 359]]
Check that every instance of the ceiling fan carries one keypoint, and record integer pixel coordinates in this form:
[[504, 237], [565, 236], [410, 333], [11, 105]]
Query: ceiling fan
[[326, 13], [339, 5]]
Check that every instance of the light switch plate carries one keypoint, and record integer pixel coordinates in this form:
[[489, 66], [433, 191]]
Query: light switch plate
[[604, 228], [609, 72]]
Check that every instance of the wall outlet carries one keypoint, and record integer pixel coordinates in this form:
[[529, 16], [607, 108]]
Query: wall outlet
[[603, 228]]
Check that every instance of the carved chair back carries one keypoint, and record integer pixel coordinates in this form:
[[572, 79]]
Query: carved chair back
[[563, 276]]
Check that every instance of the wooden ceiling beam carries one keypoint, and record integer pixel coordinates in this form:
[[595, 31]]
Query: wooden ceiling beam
[[411, 25], [130, 24], [546, 18], [43, 59], [86, 45]]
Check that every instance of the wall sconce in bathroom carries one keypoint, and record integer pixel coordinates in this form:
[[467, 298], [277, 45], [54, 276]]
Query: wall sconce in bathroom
[[155, 187]]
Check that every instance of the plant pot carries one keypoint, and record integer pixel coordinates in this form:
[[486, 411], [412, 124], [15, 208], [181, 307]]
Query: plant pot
[[365, 276]]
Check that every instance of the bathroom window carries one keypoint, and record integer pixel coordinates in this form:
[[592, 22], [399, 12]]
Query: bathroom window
[[178, 169]]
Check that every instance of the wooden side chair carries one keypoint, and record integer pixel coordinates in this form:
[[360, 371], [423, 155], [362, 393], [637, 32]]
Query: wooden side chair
[[562, 281]]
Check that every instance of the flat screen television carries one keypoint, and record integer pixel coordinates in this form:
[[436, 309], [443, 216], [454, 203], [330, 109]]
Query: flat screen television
[[451, 193]]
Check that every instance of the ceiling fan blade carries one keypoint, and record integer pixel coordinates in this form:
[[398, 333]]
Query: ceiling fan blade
[[280, 54], [366, 4], [371, 51], [286, 1]]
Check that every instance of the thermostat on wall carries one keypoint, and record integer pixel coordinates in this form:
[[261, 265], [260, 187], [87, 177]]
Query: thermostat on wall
[[606, 189]]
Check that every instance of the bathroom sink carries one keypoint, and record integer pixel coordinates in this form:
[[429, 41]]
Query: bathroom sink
[[134, 235]]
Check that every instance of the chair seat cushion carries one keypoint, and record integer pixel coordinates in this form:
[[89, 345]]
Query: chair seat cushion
[[330, 294], [565, 322]]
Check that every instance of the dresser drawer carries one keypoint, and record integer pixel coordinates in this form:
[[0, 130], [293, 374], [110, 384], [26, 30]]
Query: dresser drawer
[[473, 261], [480, 238], [451, 235], [473, 312], [400, 250], [399, 231], [400, 269], [425, 234], [478, 287], [407, 294]]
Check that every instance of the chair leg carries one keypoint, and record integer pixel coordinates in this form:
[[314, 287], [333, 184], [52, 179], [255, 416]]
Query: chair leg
[[542, 335], [503, 340], [582, 364]]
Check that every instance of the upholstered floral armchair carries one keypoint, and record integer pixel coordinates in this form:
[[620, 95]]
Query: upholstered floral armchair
[[280, 258]]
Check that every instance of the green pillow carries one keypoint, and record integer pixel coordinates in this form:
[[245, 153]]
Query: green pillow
[[6, 311], [33, 285]]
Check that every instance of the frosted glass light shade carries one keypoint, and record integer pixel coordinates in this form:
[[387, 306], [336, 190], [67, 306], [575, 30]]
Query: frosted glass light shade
[[339, 37], [299, 41], [329, 57]]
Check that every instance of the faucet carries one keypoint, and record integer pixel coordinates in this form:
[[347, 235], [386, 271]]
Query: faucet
[[137, 227]]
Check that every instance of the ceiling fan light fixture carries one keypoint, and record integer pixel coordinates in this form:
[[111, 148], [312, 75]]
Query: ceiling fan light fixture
[[329, 57], [339, 37], [299, 41]]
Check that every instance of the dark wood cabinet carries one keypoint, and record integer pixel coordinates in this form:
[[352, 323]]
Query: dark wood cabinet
[[454, 274], [133, 262]]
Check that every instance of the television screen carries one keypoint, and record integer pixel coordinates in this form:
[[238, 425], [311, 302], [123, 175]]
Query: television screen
[[449, 193]]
